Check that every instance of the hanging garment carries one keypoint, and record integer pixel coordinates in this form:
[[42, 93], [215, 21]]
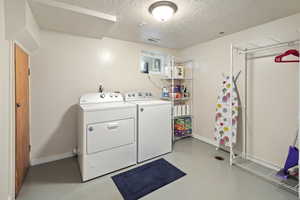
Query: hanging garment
[[225, 132]]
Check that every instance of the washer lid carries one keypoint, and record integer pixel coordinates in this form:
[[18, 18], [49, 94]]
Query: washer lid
[[105, 106]]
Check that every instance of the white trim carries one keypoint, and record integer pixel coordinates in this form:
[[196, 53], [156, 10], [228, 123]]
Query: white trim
[[211, 142], [38, 161], [22, 47], [249, 157], [263, 162], [205, 139], [78, 9], [12, 121]]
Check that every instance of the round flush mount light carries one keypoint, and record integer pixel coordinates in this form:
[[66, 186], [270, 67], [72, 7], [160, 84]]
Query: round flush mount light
[[163, 10]]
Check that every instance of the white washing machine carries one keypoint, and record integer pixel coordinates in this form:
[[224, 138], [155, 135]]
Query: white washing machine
[[154, 125], [107, 136]]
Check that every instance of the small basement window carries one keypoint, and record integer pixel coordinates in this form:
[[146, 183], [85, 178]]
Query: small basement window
[[152, 63]]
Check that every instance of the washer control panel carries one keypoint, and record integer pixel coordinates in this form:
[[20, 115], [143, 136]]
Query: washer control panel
[[105, 97], [138, 96]]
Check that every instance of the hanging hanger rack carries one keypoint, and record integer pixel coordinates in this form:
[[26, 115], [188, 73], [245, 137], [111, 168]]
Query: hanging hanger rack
[[232, 63], [277, 45], [264, 48], [234, 158]]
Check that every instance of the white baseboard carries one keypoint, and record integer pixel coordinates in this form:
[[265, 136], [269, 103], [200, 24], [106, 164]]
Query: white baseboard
[[205, 139], [11, 198], [249, 157], [209, 141], [38, 161], [263, 162]]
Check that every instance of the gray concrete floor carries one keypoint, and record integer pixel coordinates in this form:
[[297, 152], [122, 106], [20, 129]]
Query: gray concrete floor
[[206, 179]]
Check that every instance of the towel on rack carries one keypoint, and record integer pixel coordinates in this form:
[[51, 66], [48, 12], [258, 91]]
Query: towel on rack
[[225, 131]]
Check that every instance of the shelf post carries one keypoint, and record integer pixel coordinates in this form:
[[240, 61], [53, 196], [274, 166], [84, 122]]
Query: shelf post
[[230, 104]]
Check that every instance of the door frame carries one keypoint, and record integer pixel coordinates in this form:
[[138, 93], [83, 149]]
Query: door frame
[[12, 114]]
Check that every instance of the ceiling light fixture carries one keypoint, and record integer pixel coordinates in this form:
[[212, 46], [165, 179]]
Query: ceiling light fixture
[[163, 10]]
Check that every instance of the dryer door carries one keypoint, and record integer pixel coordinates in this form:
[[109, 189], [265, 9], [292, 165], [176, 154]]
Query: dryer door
[[108, 135]]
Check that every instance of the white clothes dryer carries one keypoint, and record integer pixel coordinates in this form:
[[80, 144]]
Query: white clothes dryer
[[107, 135]]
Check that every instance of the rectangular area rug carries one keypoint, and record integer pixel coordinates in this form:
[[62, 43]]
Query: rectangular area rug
[[140, 181]]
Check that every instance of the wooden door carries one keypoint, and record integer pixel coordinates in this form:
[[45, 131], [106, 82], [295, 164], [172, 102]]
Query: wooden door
[[22, 117]]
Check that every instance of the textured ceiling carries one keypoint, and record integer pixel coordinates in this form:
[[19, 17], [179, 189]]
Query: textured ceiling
[[195, 21]]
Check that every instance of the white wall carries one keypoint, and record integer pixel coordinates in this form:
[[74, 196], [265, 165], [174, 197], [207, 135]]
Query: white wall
[[68, 66], [21, 26], [272, 90], [4, 110]]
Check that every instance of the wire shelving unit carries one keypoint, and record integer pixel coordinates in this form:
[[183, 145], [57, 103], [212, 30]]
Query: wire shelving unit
[[184, 118]]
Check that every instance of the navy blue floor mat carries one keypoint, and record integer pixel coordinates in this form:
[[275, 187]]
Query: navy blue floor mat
[[140, 181]]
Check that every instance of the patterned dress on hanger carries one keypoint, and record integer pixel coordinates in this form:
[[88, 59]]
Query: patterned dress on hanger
[[225, 132]]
